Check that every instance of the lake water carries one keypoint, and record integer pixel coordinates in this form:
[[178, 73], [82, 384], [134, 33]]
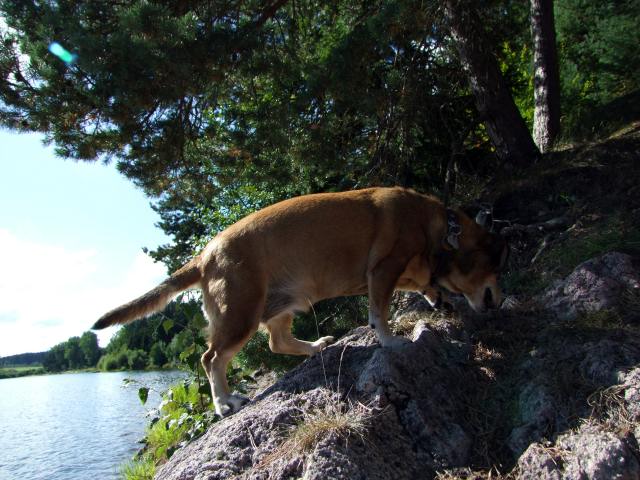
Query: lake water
[[73, 426]]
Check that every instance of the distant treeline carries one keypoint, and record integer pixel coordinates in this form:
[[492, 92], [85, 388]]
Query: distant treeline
[[75, 353], [155, 342], [23, 359]]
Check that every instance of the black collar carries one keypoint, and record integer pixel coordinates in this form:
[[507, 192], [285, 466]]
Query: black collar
[[443, 257]]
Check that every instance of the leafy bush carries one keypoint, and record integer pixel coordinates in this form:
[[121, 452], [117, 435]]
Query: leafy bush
[[182, 416], [138, 470], [157, 355], [120, 360], [108, 362], [137, 359]]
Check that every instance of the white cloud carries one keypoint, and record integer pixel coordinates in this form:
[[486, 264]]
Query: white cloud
[[49, 292]]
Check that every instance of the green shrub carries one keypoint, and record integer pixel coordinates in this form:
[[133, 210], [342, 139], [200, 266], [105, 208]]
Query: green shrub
[[157, 356], [108, 362], [183, 415], [143, 469], [137, 359]]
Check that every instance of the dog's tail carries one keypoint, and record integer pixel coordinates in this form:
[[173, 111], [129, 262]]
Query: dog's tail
[[154, 300]]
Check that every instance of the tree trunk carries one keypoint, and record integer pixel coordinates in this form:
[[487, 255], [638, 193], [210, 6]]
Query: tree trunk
[[499, 113], [546, 79]]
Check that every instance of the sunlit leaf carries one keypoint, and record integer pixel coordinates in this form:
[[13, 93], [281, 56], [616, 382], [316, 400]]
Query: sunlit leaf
[[167, 325], [143, 394]]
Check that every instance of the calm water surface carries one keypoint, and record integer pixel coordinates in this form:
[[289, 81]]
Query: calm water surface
[[73, 426]]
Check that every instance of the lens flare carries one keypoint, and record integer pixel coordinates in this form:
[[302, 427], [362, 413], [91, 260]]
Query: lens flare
[[60, 52]]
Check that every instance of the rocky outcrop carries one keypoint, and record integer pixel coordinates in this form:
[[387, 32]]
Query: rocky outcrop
[[540, 397], [595, 285], [591, 452], [411, 416]]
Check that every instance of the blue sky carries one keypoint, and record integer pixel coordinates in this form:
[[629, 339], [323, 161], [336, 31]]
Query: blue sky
[[71, 238]]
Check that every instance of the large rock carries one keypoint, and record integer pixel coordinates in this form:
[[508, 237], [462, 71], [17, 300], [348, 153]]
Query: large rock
[[554, 384], [588, 453], [601, 283], [413, 417], [597, 450], [556, 400]]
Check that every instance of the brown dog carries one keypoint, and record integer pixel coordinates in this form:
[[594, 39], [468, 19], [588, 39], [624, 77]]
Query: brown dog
[[286, 257]]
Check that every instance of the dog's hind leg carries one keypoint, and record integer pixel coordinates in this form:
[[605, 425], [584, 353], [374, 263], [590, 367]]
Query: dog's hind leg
[[230, 328], [281, 340]]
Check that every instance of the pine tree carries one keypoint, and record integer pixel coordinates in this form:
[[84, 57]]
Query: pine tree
[[546, 79], [505, 126]]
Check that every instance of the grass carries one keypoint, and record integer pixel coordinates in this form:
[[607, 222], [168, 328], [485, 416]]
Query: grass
[[138, 470], [608, 234], [613, 234], [608, 408], [522, 282], [332, 419], [468, 474], [326, 421], [404, 324], [20, 371]]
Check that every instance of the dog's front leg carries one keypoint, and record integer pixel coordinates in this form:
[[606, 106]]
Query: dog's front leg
[[438, 299], [381, 281]]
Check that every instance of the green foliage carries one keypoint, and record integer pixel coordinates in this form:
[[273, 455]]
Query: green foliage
[[182, 416], [137, 359], [598, 58], [89, 346], [522, 282], [75, 353], [157, 341], [23, 359], [114, 360], [218, 116], [256, 355], [612, 234], [331, 317], [143, 394], [517, 68], [141, 469], [8, 371], [157, 355]]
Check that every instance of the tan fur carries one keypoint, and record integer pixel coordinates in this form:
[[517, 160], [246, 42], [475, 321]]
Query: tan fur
[[286, 257], [154, 300]]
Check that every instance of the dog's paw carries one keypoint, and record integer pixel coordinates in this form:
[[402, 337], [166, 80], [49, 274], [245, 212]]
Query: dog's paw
[[233, 403], [394, 341], [322, 343], [238, 401]]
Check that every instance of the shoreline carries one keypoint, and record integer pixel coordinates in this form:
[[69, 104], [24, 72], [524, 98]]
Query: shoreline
[[31, 371]]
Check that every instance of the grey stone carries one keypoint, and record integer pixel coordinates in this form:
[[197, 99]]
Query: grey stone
[[589, 453], [594, 285], [536, 407], [414, 427], [537, 463], [597, 455]]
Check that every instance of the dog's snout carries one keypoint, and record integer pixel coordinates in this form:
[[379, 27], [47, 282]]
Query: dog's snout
[[488, 299]]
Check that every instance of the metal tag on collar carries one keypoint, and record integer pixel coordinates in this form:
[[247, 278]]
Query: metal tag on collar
[[453, 229]]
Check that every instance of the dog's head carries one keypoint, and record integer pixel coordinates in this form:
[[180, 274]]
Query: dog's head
[[471, 261]]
